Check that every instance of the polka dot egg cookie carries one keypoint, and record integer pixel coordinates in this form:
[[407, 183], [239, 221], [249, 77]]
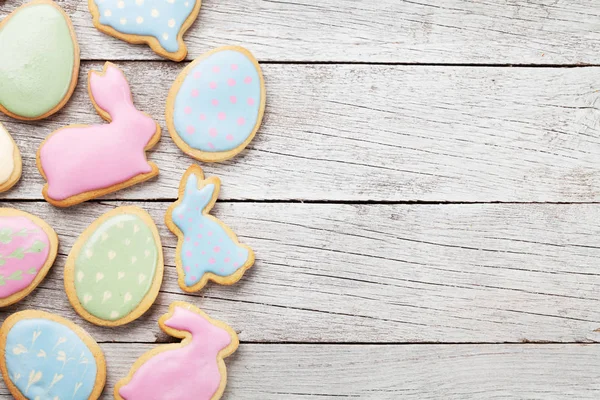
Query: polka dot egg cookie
[[216, 105]]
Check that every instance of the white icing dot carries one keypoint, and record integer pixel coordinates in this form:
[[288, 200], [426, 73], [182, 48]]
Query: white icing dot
[[121, 4], [107, 13], [165, 36], [139, 20], [171, 1], [139, 2], [123, 21], [186, 4], [155, 13], [171, 23]]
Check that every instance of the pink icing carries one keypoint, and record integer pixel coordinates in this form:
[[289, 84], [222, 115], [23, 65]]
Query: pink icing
[[187, 373], [16, 272], [76, 160]]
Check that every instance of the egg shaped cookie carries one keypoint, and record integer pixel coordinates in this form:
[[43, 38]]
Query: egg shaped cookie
[[44, 356], [39, 66], [10, 161], [216, 105], [28, 248], [115, 269]]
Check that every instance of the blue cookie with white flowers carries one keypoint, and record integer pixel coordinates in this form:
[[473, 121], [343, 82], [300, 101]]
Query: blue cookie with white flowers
[[157, 23]]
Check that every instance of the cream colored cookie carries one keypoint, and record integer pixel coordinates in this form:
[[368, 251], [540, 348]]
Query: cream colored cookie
[[10, 161]]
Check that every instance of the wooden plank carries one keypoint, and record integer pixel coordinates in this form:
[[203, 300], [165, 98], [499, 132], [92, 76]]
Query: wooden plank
[[425, 31], [390, 372], [380, 273], [380, 133]]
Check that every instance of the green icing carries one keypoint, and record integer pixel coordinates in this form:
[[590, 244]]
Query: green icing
[[36, 62], [115, 268]]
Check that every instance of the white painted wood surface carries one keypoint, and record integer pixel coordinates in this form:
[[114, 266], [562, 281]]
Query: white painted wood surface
[[380, 133], [380, 273], [360, 293], [384, 31]]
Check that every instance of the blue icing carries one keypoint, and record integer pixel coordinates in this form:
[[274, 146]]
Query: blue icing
[[47, 359], [217, 106], [159, 18], [206, 245]]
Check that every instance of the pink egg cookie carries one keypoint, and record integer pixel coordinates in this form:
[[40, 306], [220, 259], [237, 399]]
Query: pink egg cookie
[[191, 370], [28, 248], [83, 162]]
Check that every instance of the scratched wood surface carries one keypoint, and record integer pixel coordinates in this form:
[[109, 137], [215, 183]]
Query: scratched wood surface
[[423, 198]]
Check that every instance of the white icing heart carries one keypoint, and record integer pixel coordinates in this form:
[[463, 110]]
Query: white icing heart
[[114, 314], [141, 278], [89, 253], [99, 276], [111, 255], [120, 275], [127, 297], [106, 296], [87, 298], [80, 276], [133, 259]]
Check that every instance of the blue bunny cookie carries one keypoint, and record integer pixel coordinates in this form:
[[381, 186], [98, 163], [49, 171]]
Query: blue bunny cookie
[[207, 249], [158, 23]]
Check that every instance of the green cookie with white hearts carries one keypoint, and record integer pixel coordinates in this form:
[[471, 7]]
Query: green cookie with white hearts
[[115, 269]]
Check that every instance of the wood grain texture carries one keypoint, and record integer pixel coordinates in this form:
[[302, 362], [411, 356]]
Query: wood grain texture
[[380, 133], [378, 273], [415, 31], [423, 372]]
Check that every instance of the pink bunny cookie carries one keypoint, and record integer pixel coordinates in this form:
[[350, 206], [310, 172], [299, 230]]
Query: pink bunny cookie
[[82, 162], [191, 370]]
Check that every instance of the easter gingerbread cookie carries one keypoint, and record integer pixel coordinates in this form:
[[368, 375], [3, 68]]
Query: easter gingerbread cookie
[[82, 162], [191, 370], [44, 356], [39, 66], [10, 161], [28, 248], [207, 249], [160, 24], [115, 269], [216, 105]]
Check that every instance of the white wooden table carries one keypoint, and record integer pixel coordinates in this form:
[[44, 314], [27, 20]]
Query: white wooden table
[[423, 198]]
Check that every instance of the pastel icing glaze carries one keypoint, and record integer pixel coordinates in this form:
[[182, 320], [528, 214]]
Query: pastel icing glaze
[[38, 62], [7, 158], [161, 19], [24, 249], [218, 105], [80, 159], [116, 266], [207, 247], [47, 360], [190, 372]]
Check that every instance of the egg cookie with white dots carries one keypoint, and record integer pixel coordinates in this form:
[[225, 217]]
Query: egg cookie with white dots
[[115, 269], [160, 24], [216, 105]]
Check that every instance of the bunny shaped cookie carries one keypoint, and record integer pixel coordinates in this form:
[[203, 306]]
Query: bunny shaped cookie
[[82, 162], [207, 249], [191, 370]]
